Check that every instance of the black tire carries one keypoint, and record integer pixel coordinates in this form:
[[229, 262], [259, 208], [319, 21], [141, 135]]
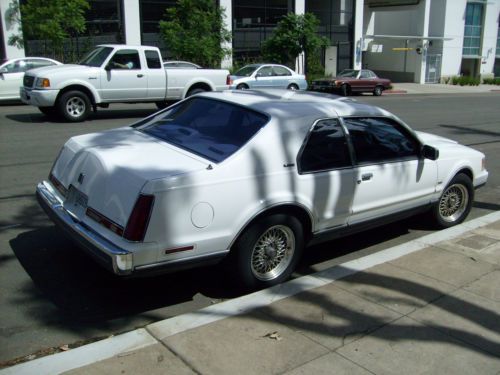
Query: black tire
[[242, 86], [194, 92], [162, 105], [292, 87], [74, 106], [267, 252], [455, 202], [344, 89], [377, 91], [48, 111]]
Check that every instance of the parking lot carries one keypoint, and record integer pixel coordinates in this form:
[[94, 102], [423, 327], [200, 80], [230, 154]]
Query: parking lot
[[52, 295]]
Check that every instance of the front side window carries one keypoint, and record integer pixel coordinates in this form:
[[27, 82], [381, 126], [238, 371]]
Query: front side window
[[209, 128], [266, 71], [126, 59], [379, 139], [326, 148]]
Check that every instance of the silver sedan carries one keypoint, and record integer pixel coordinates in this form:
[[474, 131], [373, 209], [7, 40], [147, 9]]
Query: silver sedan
[[267, 76]]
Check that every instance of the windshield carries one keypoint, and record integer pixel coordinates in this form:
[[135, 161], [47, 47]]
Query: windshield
[[246, 71], [209, 128], [349, 73], [96, 57]]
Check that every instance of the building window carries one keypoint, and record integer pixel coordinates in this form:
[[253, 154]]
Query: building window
[[337, 24], [473, 30], [253, 22]]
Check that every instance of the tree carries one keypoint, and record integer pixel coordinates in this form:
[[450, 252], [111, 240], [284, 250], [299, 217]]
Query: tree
[[294, 34], [50, 20], [194, 31]]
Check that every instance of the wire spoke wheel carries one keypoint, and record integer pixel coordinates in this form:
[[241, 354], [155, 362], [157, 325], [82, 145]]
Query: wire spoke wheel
[[273, 252], [453, 203]]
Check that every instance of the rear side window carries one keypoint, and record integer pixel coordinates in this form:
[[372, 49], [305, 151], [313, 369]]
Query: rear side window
[[379, 139], [210, 128], [326, 148], [153, 59]]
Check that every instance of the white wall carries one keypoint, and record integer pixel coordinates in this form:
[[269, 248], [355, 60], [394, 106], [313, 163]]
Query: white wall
[[9, 29], [132, 22], [226, 4], [358, 33], [454, 24], [490, 33]]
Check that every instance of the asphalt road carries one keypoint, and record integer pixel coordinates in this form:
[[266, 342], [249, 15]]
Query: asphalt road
[[51, 295]]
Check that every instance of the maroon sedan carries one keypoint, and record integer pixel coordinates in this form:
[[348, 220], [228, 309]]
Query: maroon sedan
[[352, 80]]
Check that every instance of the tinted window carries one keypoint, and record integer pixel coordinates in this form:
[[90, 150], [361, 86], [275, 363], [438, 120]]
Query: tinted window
[[210, 128], [153, 59], [380, 139], [326, 148]]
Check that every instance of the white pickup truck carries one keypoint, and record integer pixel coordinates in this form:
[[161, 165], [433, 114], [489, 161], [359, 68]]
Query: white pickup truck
[[114, 73]]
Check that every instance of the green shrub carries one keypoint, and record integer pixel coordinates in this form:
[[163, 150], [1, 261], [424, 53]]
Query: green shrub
[[465, 81], [492, 81]]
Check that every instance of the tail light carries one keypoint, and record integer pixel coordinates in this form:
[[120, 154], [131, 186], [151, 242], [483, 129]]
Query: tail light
[[229, 81], [139, 218]]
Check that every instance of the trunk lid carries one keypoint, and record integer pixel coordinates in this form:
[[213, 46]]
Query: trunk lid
[[106, 171]]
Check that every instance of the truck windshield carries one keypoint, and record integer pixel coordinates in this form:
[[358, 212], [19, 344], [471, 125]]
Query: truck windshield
[[96, 57], [210, 128]]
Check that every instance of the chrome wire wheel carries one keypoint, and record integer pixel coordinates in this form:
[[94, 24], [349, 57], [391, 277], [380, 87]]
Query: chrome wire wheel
[[76, 106], [453, 203], [273, 252]]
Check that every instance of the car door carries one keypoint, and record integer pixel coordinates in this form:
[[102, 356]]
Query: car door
[[365, 82], [326, 174], [124, 77], [390, 174], [264, 78], [282, 77], [12, 78]]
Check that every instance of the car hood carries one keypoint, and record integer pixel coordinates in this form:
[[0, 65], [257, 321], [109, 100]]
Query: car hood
[[48, 71], [434, 140], [111, 168]]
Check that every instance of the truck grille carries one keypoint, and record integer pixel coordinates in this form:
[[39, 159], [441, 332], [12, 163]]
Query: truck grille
[[28, 80]]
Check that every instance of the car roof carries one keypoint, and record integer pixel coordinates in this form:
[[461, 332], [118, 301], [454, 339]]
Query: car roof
[[288, 104]]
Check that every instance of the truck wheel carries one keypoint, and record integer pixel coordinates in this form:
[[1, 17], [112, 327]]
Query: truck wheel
[[194, 92], [268, 251], [455, 202], [377, 91], [74, 106]]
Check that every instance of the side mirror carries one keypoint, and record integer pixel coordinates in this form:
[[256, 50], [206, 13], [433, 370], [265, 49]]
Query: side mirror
[[108, 67], [3, 70], [429, 152]]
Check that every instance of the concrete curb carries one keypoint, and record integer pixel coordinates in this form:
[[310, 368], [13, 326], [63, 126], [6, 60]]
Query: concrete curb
[[153, 333]]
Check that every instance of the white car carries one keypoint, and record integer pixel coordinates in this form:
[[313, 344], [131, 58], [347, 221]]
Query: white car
[[252, 177], [12, 73]]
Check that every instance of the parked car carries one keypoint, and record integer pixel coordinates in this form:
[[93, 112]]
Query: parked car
[[12, 73], [115, 73], [252, 177], [352, 81], [267, 76], [171, 64]]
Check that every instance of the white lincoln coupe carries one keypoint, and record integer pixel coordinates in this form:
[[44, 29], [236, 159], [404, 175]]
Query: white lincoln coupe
[[252, 177]]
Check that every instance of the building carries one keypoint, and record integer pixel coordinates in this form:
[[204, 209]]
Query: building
[[423, 41]]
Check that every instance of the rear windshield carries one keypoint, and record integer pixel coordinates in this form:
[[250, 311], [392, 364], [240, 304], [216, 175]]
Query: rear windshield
[[210, 128]]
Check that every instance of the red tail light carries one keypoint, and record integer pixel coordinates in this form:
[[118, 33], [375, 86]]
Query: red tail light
[[229, 81], [139, 218]]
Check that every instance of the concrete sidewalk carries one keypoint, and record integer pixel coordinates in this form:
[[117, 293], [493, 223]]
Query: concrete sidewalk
[[428, 306], [436, 88]]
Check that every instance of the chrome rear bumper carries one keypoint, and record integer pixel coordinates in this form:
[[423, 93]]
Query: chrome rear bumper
[[115, 259]]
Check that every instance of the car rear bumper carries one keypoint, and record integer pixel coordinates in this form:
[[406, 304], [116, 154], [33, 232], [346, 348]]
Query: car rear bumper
[[115, 259], [38, 98]]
